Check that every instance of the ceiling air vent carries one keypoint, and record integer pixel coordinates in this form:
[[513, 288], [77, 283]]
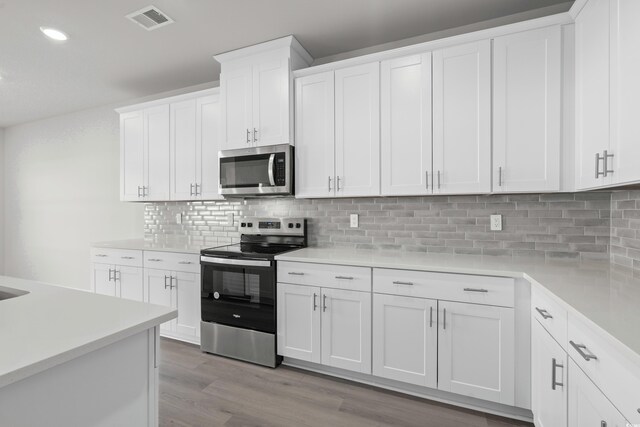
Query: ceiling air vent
[[150, 18]]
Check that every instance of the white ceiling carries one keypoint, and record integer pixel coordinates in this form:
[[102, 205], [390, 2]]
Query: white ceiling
[[109, 59]]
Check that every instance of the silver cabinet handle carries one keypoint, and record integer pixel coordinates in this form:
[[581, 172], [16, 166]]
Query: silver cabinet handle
[[295, 273], [116, 275], [139, 190], [344, 277], [324, 303], [544, 313], [101, 255], [438, 180], [110, 274], [127, 257], [603, 423], [248, 137], [554, 382], [191, 190], [165, 281], [426, 179], [431, 317], [444, 319], [475, 290], [185, 262], [198, 188], [171, 279], [402, 283], [338, 183], [598, 158], [329, 184], [255, 135], [315, 305], [500, 176], [606, 156], [154, 259], [579, 348]]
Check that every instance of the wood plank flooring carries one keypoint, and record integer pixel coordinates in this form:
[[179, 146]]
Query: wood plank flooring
[[201, 390]]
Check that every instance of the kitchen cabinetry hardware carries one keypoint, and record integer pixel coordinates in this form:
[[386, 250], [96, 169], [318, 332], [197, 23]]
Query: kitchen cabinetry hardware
[[110, 270], [544, 313], [438, 180], [154, 259], [191, 189], [198, 189], [431, 317], [603, 424], [116, 275], [426, 179], [127, 257], [139, 190], [396, 282], [475, 290], [329, 184], [338, 184], [315, 304], [101, 255], [295, 273], [185, 262], [605, 157], [444, 319], [344, 277], [324, 303], [165, 281], [248, 137], [554, 382], [255, 135], [598, 158], [500, 176], [579, 348]]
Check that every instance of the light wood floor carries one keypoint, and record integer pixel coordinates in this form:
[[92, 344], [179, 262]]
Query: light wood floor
[[198, 389]]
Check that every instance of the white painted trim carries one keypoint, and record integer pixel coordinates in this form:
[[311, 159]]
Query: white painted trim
[[557, 19], [168, 100], [286, 42], [576, 8]]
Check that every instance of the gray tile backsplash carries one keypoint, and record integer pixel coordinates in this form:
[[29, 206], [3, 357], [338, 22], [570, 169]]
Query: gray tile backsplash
[[625, 228], [565, 225]]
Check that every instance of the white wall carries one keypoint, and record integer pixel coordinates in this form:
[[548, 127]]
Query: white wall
[[1, 200], [61, 179]]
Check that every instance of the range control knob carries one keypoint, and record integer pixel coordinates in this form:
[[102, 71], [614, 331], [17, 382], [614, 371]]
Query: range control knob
[[249, 224], [290, 225], [298, 225], [244, 224]]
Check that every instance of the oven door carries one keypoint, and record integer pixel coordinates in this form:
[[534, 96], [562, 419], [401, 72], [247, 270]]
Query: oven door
[[239, 292], [255, 171]]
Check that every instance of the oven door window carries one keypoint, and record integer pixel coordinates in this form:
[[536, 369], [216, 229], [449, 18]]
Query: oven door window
[[245, 171], [239, 296]]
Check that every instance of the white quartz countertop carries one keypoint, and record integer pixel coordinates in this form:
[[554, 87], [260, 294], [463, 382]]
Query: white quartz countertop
[[607, 295], [51, 325], [179, 246]]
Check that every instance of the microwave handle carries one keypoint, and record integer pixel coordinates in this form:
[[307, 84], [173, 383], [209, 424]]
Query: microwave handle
[[272, 159]]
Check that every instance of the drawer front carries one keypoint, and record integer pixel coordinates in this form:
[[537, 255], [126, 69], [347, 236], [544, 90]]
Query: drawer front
[[614, 374], [126, 257], [444, 286], [325, 275], [551, 315], [188, 263]]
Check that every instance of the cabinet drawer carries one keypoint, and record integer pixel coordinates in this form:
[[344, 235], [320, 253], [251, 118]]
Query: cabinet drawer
[[617, 376], [189, 263], [551, 315], [444, 286], [127, 257], [325, 275]]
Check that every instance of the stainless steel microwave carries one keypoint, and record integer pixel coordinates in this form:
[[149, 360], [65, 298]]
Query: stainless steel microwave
[[257, 171]]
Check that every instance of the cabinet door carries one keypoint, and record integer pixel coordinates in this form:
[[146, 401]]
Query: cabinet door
[[315, 140], [526, 111], [271, 102], [587, 405], [592, 91], [157, 286], [358, 130], [102, 278], [548, 379], [346, 329], [476, 351], [462, 118], [186, 294], [406, 125], [131, 156], [405, 339], [299, 322], [183, 150], [130, 282], [207, 147], [236, 107], [157, 151], [625, 91]]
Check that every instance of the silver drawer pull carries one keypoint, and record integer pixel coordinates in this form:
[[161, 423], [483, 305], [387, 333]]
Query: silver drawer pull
[[475, 290], [579, 348], [101, 255], [185, 262], [554, 381], [127, 257], [544, 313], [402, 283], [344, 277], [154, 259], [295, 273]]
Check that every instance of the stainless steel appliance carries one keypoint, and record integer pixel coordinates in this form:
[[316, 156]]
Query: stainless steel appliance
[[257, 171], [238, 298]]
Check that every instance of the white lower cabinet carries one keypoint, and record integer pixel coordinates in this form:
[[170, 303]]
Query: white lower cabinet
[[405, 339], [476, 346], [322, 325], [548, 379], [118, 281], [587, 405]]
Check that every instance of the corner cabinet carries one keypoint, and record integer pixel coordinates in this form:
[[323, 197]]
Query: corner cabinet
[[257, 93]]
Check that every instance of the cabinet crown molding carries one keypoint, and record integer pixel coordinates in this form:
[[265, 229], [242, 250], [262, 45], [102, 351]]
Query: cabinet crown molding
[[283, 42], [168, 100]]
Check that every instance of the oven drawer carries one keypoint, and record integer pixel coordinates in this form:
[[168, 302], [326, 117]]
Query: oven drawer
[[188, 263], [551, 315], [325, 275], [445, 286], [125, 257], [615, 371]]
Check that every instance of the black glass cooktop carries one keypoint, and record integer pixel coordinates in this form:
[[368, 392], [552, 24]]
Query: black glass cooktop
[[251, 250]]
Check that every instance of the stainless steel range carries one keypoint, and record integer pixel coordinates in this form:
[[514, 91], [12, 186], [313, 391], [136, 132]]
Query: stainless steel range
[[239, 289]]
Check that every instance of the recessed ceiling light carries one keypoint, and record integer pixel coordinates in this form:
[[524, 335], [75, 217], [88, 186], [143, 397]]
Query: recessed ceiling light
[[54, 34]]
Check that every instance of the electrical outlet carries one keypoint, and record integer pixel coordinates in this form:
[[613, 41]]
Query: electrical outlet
[[353, 220], [496, 222], [230, 219], [179, 218]]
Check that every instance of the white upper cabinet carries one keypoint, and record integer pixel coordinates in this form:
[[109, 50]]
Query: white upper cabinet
[[257, 93], [406, 126], [315, 141], [592, 93], [527, 111], [357, 128], [462, 119], [208, 146], [156, 125], [131, 155]]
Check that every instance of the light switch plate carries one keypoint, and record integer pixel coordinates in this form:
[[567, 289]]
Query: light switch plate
[[496, 222], [230, 218], [353, 220]]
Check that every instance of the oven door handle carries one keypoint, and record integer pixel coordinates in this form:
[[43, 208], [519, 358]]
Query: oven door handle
[[238, 262], [272, 159]]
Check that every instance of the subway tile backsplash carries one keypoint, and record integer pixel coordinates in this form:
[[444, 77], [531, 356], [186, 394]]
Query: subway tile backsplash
[[625, 228], [565, 225]]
